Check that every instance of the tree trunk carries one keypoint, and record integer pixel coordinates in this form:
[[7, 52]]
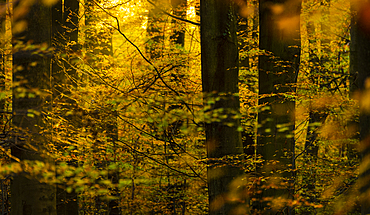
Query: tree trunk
[[2, 61], [179, 10], [246, 44], [360, 64], [106, 118], [278, 71], [316, 114], [155, 31], [220, 83], [29, 196]]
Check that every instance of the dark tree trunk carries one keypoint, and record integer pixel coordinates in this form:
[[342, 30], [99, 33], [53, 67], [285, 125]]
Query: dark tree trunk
[[311, 153], [359, 68], [220, 80], [113, 175]]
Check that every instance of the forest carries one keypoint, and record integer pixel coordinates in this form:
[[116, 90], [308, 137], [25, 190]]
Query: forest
[[220, 107]]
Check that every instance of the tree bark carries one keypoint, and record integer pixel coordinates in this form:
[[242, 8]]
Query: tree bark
[[359, 67], [278, 71], [220, 83], [29, 196]]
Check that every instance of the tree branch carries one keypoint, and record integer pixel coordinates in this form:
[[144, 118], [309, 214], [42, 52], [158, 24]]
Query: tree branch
[[175, 17]]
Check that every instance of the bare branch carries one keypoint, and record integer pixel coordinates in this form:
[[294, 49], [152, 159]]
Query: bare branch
[[175, 17]]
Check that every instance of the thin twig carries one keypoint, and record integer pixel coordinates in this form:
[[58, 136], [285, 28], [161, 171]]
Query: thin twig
[[175, 17], [118, 28]]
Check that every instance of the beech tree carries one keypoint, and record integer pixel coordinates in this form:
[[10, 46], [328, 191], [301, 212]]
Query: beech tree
[[359, 55], [220, 87], [123, 109]]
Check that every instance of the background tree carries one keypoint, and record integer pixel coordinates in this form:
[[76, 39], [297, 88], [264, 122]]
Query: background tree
[[318, 56], [155, 30], [65, 22], [179, 10], [2, 58]]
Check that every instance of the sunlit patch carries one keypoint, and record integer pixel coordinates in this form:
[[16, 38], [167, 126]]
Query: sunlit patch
[[144, 24], [191, 13]]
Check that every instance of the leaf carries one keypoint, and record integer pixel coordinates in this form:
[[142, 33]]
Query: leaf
[[69, 189], [112, 166], [2, 95]]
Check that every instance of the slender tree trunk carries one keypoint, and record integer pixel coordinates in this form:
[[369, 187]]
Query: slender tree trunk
[[2, 59], [278, 71], [243, 43], [220, 81], [246, 44], [155, 31], [113, 175], [316, 114], [179, 10], [108, 118], [174, 187], [29, 196], [71, 21], [57, 31], [312, 148]]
